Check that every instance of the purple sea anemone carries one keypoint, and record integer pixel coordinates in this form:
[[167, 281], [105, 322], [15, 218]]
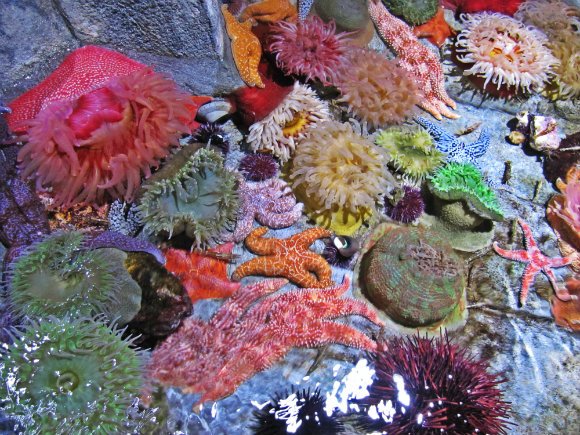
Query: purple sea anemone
[[406, 208], [258, 167], [309, 48]]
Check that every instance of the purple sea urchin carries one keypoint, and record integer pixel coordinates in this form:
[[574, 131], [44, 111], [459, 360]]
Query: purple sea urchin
[[258, 167], [212, 134], [406, 206], [430, 386]]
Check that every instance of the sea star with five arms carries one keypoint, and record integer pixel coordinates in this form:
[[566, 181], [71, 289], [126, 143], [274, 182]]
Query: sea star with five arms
[[288, 258], [270, 202], [536, 262], [414, 57], [457, 150]]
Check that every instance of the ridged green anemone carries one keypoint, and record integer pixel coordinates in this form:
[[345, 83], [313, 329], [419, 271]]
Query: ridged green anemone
[[192, 194], [57, 276], [70, 377], [413, 12]]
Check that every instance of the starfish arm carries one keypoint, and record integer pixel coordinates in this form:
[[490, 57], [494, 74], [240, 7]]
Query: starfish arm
[[206, 286], [560, 261], [562, 293], [442, 137], [244, 224], [323, 332], [530, 273], [306, 238], [528, 236], [480, 146], [261, 246], [437, 108], [304, 7], [280, 220], [516, 255], [343, 307], [317, 265]]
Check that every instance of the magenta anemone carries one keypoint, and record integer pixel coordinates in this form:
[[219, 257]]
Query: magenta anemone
[[258, 167], [405, 207], [309, 48]]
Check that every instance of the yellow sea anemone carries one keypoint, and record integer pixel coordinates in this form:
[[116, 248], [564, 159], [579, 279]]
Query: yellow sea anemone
[[505, 52]]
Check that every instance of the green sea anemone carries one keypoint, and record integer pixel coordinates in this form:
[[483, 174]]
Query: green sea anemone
[[411, 151], [58, 276], [65, 376], [413, 12], [192, 194]]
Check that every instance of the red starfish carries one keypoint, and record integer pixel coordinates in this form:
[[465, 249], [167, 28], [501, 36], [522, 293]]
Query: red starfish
[[203, 275], [251, 332], [436, 30], [536, 262]]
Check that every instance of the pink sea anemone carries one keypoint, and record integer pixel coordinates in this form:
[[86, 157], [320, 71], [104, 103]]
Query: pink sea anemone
[[309, 48], [99, 145]]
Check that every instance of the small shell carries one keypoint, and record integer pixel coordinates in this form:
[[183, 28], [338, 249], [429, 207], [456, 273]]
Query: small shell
[[544, 133]]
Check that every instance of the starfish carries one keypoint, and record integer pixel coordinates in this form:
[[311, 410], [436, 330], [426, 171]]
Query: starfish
[[270, 11], [288, 258], [415, 58], [246, 48], [304, 7], [270, 202], [436, 30], [457, 150], [250, 332], [203, 274], [536, 262]]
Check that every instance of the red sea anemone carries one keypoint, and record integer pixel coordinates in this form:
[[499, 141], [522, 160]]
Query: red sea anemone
[[100, 144], [506, 7], [429, 386], [309, 48]]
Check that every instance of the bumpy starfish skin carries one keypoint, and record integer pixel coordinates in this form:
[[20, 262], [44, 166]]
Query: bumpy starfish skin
[[288, 258], [304, 7], [270, 11], [414, 57], [250, 333], [436, 30], [270, 202], [457, 150], [536, 262], [246, 48]]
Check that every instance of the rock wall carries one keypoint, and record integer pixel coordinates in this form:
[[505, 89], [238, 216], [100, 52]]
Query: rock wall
[[183, 38]]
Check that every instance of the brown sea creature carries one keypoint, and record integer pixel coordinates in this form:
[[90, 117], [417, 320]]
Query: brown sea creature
[[567, 313]]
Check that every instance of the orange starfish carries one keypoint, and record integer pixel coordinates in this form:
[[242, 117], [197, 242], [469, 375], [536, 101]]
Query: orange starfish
[[246, 48], [436, 30], [288, 258], [203, 275], [270, 11]]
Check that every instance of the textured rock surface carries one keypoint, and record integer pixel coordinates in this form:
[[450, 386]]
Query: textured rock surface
[[183, 38]]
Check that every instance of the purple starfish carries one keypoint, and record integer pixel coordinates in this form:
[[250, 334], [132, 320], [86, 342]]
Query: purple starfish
[[536, 262]]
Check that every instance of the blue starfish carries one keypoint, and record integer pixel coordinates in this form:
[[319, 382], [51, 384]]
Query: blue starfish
[[304, 8], [456, 150]]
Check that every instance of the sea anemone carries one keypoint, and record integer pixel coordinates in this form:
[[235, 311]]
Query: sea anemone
[[212, 134], [98, 146], [504, 52], [336, 169], [506, 7], [411, 151], [60, 276], [551, 16], [413, 12], [299, 412], [70, 376], [258, 167], [309, 48], [566, 48], [280, 131], [193, 194], [406, 206], [377, 90], [430, 386]]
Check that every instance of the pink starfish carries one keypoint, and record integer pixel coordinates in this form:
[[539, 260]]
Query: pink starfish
[[414, 57], [536, 262]]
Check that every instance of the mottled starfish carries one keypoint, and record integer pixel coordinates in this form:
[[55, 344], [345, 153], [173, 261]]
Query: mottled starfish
[[536, 262]]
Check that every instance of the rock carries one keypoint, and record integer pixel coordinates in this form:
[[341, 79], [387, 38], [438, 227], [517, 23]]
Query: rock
[[183, 38]]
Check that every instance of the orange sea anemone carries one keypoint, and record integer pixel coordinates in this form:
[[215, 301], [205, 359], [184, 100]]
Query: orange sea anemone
[[99, 145]]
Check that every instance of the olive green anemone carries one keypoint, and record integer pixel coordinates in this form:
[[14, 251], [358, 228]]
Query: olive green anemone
[[413, 12], [65, 376]]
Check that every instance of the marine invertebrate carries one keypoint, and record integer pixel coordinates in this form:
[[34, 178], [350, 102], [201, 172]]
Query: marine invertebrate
[[413, 12], [436, 29], [567, 313], [213, 358], [410, 150], [281, 130], [506, 7], [288, 258], [270, 202], [558, 162], [341, 251], [413, 276], [310, 48], [212, 134], [406, 205], [376, 90], [429, 385], [246, 48], [504, 52], [258, 167], [203, 274], [270, 11], [326, 172], [70, 376], [536, 262], [301, 412], [304, 7], [415, 58], [100, 145], [61, 275], [551, 16], [192, 194], [457, 150], [538, 131]]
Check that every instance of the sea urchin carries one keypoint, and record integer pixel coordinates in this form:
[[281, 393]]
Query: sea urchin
[[258, 167], [406, 206]]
